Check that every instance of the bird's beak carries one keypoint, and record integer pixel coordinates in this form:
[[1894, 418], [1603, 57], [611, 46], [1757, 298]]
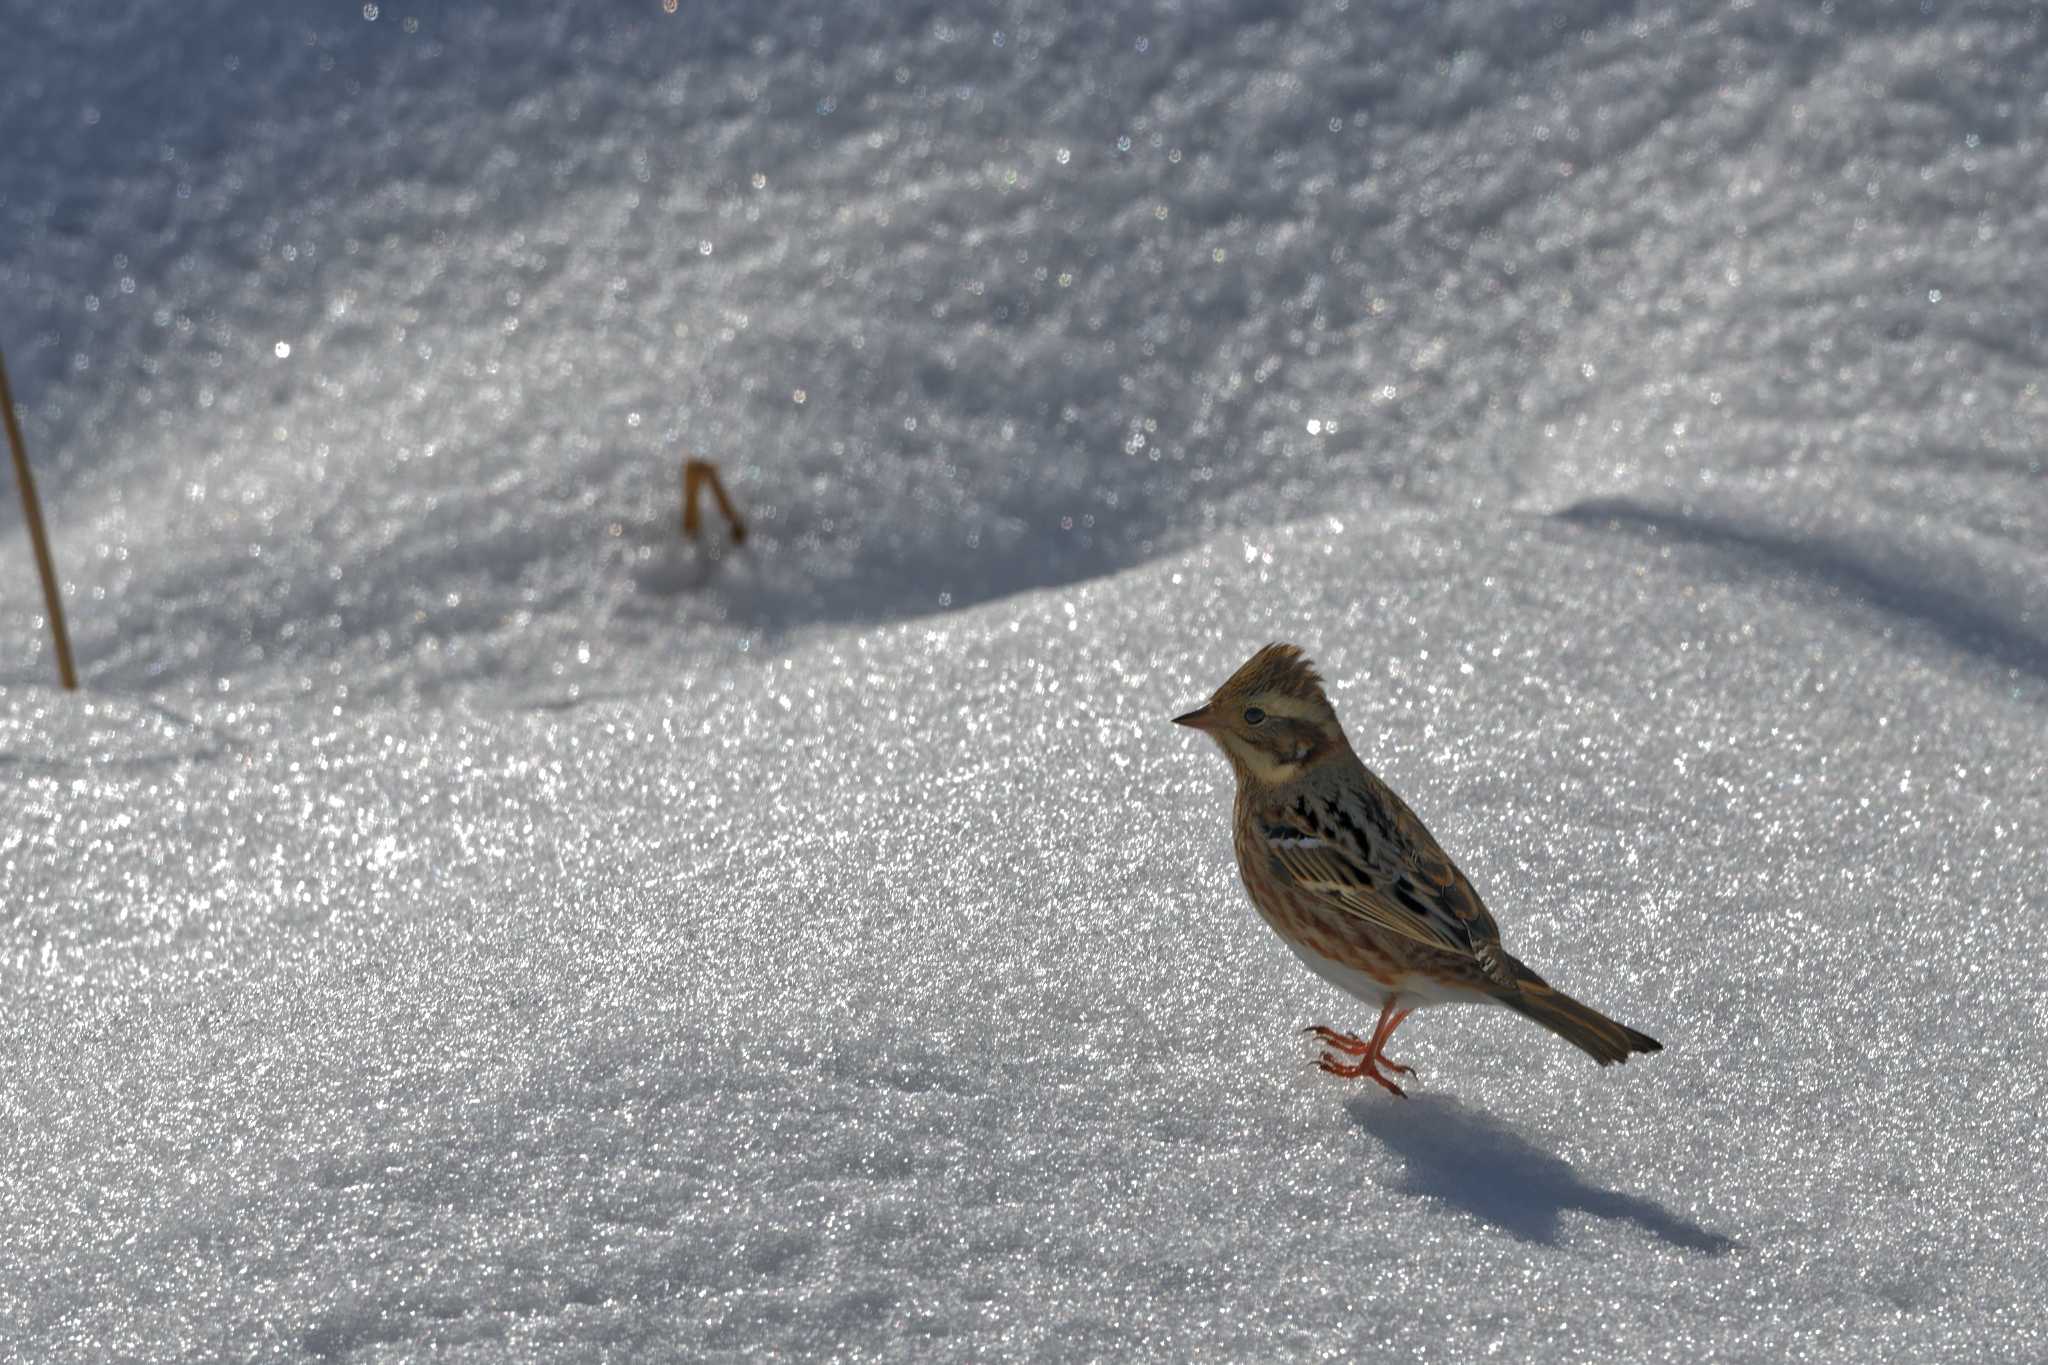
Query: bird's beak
[[1198, 719]]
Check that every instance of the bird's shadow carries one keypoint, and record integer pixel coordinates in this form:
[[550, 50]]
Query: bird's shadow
[[1479, 1166]]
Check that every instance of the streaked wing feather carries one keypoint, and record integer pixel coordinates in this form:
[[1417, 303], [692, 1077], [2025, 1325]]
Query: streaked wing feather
[[1438, 881], [1320, 867], [1422, 896]]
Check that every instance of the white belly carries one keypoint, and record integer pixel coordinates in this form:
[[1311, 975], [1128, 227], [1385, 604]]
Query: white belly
[[1416, 992]]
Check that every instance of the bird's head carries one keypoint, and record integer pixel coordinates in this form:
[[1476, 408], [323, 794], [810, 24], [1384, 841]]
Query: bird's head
[[1271, 718]]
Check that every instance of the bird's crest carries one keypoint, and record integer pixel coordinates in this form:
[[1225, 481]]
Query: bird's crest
[[1276, 670]]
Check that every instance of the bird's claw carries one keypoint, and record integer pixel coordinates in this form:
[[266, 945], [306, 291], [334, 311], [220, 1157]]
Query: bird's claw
[[1343, 1042], [1362, 1070]]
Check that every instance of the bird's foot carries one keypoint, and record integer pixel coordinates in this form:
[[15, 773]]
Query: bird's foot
[[1343, 1042], [1365, 1068], [1366, 1061]]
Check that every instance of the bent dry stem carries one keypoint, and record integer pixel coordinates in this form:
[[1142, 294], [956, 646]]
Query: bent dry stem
[[697, 475], [32, 510]]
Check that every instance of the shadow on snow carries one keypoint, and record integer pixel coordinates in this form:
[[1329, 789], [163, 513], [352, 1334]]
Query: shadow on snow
[[1902, 589], [1481, 1167]]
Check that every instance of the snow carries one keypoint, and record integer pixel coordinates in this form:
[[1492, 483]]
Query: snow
[[457, 916]]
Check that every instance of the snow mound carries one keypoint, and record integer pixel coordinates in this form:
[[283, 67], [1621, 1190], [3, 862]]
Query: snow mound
[[896, 994], [460, 918]]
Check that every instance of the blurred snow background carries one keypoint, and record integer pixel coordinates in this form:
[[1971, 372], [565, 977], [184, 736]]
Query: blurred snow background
[[459, 917]]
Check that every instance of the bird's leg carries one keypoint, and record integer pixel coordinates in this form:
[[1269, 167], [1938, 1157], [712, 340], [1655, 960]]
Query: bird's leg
[[1351, 1043], [696, 474], [1369, 1062], [1380, 1042]]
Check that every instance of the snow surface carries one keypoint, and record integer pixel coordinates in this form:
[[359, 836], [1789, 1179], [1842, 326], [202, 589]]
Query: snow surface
[[458, 917]]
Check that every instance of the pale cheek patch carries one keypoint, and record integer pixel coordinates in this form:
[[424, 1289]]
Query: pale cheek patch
[[1271, 771]]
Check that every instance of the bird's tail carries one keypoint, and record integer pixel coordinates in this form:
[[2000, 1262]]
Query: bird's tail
[[1580, 1025]]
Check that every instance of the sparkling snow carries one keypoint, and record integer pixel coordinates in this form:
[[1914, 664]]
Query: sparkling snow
[[459, 917]]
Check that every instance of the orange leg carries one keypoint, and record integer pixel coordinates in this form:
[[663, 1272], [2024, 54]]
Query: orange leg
[[696, 474], [1380, 1056], [1370, 1061]]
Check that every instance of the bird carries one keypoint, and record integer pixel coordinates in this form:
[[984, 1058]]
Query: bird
[[1351, 880]]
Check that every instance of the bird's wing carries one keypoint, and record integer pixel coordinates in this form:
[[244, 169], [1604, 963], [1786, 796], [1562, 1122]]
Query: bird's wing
[[1383, 867]]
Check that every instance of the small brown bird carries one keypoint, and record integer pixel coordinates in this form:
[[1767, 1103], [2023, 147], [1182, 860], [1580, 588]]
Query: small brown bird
[[1348, 877]]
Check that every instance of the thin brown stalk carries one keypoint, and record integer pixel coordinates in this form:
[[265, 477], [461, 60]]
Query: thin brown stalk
[[32, 509], [697, 475]]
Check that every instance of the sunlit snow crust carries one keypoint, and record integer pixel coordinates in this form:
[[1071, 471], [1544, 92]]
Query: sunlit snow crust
[[457, 917]]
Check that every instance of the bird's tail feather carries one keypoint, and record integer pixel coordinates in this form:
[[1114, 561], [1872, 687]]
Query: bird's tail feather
[[1580, 1025]]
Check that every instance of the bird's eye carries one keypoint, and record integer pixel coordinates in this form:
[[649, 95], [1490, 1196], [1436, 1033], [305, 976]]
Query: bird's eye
[[1254, 716]]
